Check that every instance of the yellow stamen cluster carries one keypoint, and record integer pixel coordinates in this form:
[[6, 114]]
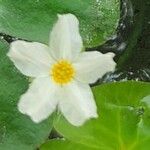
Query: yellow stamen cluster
[[62, 72]]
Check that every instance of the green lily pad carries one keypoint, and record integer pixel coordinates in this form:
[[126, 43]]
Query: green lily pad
[[33, 19], [124, 119], [64, 145], [17, 131]]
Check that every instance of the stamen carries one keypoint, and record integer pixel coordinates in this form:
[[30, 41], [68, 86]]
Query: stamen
[[62, 72]]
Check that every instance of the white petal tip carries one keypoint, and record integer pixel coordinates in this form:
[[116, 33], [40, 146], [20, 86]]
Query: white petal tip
[[111, 54], [35, 120], [62, 15], [78, 124], [15, 43], [12, 49], [59, 15], [21, 108], [8, 54], [68, 16], [82, 122], [95, 116]]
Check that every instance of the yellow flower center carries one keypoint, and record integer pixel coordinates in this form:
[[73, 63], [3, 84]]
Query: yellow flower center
[[62, 72]]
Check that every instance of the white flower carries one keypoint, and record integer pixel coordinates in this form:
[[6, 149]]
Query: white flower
[[62, 73]]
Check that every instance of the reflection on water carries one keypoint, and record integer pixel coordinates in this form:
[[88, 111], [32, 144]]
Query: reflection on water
[[131, 43]]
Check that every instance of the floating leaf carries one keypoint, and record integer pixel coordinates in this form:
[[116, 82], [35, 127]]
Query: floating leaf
[[33, 19], [123, 122], [64, 145], [17, 131]]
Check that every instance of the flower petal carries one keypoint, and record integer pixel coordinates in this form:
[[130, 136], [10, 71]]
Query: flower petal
[[77, 103], [31, 58], [93, 65], [65, 39], [40, 99]]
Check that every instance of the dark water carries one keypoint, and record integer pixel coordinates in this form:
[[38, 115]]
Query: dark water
[[131, 43]]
